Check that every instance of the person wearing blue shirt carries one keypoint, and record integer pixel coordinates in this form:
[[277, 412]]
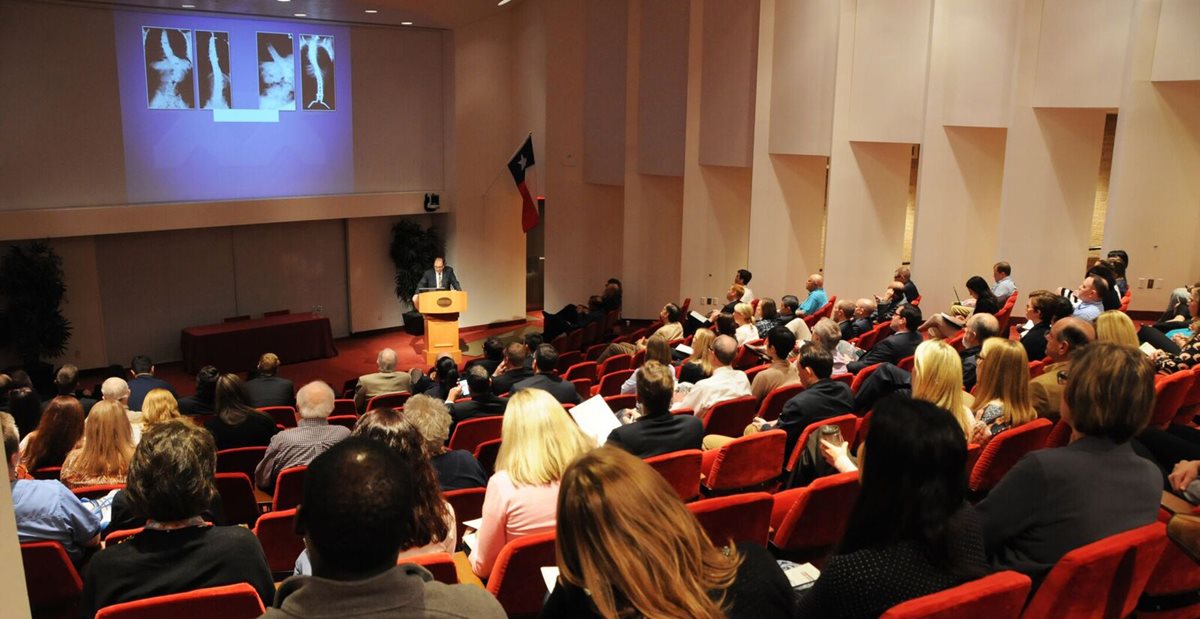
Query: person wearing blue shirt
[[1004, 287], [816, 295], [1090, 293], [46, 510]]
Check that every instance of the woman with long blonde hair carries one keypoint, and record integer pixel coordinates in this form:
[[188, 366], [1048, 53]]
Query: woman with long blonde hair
[[107, 448], [1002, 398], [743, 315], [698, 366], [1116, 327], [628, 547], [158, 407], [937, 378], [539, 441]]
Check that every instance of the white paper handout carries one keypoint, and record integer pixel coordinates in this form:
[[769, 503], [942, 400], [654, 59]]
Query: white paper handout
[[595, 418]]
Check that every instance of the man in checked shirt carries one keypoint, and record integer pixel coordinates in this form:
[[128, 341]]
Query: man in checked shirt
[[312, 436]]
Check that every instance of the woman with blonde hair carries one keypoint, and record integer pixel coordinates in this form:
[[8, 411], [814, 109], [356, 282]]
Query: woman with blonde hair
[[698, 366], [937, 378], [107, 448], [540, 441], [1116, 327], [158, 407], [1002, 398], [743, 315], [628, 547]]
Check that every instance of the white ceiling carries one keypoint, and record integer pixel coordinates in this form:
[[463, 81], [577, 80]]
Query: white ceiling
[[447, 14]]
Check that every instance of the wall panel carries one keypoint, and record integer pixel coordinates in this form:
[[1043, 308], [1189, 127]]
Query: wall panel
[[891, 55], [662, 86], [1081, 53], [980, 40], [605, 43], [804, 64], [730, 59], [1177, 42]]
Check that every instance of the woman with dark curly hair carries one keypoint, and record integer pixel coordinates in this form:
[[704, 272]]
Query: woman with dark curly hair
[[58, 432]]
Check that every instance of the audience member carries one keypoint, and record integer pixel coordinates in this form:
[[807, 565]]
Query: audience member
[[843, 315], [540, 441], [1187, 343], [725, 383], [937, 377], [47, 510], [1171, 335], [1004, 287], [444, 378], [66, 382], [171, 484], [159, 406], [904, 276], [25, 406], [1109, 297], [512, 370], [493, 354], [780, 343], [386, 380], [546, 378], [658, 350], [237, 424], [742, 278], [1090, 293], [980, 328], [827, 334], [672, 328], [58, 432], [768, 317], [356, 517], [656, 431], [204, 401], [456, 469], [903, 343], [735, 295], [698, 366], [267, 388], [911, 532], [623, 535], [743, 316], [1002, 400], [1056, 500], [725, 324], [573, 317], [1119, 260], [143, 381], [116, 390], [310, 438], [789, 304], [1042, 310], [890, 303], [864, 309], [103, 456], [816, 298], [986, 302], [481, 403], [1114, 326], [1066, 336]]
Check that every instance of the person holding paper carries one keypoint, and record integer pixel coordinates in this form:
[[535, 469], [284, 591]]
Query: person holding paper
[[657, 431]]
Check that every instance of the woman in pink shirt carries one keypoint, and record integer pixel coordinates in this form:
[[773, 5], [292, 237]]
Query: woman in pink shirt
[[540, 440]]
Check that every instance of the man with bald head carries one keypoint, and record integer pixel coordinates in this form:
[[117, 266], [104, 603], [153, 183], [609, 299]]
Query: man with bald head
[[1066, 336], [310, 438], [816, 295], [725, 383], [115, 389], [386, 380]]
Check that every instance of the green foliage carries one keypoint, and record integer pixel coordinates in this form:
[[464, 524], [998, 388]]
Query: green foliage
[[412, 250], [32, 290]]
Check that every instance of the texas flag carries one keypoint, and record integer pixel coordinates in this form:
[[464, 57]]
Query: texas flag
[[517, 165]]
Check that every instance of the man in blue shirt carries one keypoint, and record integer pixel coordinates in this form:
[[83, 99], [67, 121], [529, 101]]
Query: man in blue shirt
[[1090, 293], [1004, 287], [816, 295], [46, 510]]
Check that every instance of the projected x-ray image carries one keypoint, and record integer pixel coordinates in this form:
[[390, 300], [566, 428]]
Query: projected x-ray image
[[212, 64], [169, 68], [276, 72], [317, 72]]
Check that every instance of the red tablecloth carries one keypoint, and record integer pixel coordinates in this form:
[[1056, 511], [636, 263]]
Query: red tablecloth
[[236, 346]]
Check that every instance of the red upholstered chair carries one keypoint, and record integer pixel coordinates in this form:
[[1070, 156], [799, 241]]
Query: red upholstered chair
[[116, 537], [46, 472], [639, 357], [486, 453], [344, 406], [594, 351], [747, 463], [283, 415], [240, 460], [560, 342], [907, 363], [1037, 368], [276, 533], [1005, 312], [860, 433], [610, 320], [681, 469], [282, 312], [916, 302], [861, 377], [53, 584], [1126, 299], [346, 421], [574, 341], [95, 492], [440, 564], [867, 340], [239, 601], [468, 434], [956, 341], [1172, 585], [772, 405], [613, 364], [738, 518], [1059, 435], [590, 334], [467, 504], [730, 417], [848, 379], [583, 386], [822, 312], [237, 498], [1003, 451], [568, 359], [974, 450], [583, 369], [289, 488], [808, 521], [746, 358], [1170, 391], [1101, 579], [610, 384], [516, 579], [621, 400], [390, 400], [995, 596], [1191, 403], [848, 424], [752, 372]]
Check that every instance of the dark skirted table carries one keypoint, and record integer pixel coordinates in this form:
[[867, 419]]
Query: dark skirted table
[[236, 346]]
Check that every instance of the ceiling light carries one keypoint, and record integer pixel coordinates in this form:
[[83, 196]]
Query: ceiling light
[[285, 0], [300, 14], [371, 11], [405, 23], [503, 2], [189, 6]]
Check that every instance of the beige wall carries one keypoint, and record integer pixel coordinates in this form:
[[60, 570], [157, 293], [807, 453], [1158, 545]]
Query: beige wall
[[12, 573]]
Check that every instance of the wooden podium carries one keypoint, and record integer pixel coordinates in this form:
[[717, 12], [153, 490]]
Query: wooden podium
[[441, 309]]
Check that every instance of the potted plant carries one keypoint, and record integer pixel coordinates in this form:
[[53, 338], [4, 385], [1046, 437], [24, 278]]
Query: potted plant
[[413, 250], [32, 290]]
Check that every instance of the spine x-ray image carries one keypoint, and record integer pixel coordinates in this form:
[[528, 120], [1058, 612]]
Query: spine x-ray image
[[212, 62], [276, 72], [316, 62], [169, 67]]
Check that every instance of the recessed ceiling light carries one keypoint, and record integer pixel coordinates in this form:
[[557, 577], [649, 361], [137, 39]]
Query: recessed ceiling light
[[189, 6], [371, 11], [300, 14], [503, 2], [285, 0], [405, 23]]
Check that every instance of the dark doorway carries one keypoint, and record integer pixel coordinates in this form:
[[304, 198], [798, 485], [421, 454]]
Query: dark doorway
[[535, 262]]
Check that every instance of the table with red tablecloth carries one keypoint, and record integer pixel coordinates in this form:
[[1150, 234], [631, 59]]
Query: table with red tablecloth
[[236, 346]]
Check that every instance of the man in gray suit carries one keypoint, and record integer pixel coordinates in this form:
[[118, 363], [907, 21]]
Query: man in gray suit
[[386, 380]]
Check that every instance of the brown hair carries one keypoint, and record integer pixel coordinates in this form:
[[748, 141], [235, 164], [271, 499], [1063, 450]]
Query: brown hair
[[57, 433], [171, 476], [107, 442], [623, 533], [1004, 376], [158, 407], [658, 350], [1110, 391], [268, 364], [655, 386]]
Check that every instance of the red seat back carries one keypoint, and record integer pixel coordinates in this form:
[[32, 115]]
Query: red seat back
[[239, 601], [867, 340], [848, 424], [276, 533], [594, 351], [621, 401], [516, 579], [116, 537], [639, 357], [615, 363], [808, 521], [1003, 451], [956, 341], [583, 386], [346, 421], [861, 377], [51, 580], [611, 383], [440, 564], [772, 405], [995, 596], [1170, 391], [1176, 573], [746, 359], [568, 359], [583, 369], [742, 517], [469, 433], [486, 453], [681, 469], [283, 415], [240, 460], [590, 334], [237, 498], [730, 417], [574, 341], [467, 504], [46, 472], [344, 406], [95, 492], [388, 400], [1101, 579], [823, 312], [1037, 368], [907, 363], [747, 462], [752, 372], [1005, 312], [289, 488], [1125, 299], [1059, 435]]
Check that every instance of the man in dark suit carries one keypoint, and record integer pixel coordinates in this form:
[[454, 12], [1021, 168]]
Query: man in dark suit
[[482, 402], [440, 277], [512, 370], [904, 276], [863, 310], [821, 399], [267, 389], [493, 354], [142, 371], [843, 314], [657, 431], [903, 343], [545, 360]]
